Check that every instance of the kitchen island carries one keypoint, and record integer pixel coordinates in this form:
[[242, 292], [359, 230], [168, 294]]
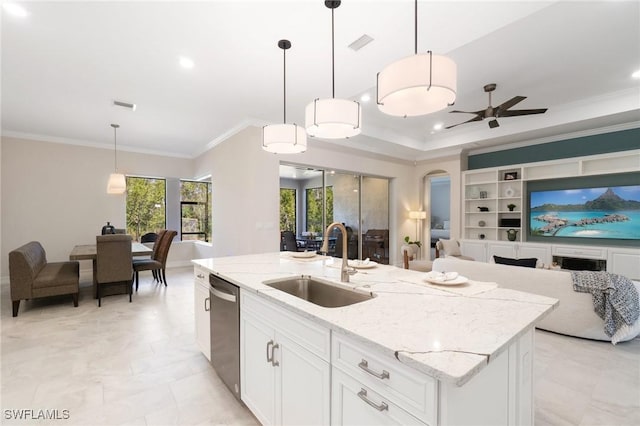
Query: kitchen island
[[415, 353]]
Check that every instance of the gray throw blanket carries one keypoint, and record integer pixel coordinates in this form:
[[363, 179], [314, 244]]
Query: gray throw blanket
[[615, 298]]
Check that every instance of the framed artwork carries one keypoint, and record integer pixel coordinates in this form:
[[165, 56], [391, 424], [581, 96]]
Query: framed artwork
[[511, 176]]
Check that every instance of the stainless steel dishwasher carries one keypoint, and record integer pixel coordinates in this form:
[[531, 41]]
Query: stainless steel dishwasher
[[225, 332]]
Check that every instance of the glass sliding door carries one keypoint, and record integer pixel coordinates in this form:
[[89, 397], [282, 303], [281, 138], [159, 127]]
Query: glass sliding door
[[360, 203]]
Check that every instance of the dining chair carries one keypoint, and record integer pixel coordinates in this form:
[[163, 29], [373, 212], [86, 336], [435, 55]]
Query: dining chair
[[149, 237], [158, 261], [289, 240], [113, 263]]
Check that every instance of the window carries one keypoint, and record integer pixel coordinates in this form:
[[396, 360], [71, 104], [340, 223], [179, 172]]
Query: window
[[145, 205], [195, 201], [288, 210], [314, 208]]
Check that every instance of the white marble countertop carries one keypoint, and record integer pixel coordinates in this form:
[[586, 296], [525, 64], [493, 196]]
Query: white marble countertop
[[449, 333]]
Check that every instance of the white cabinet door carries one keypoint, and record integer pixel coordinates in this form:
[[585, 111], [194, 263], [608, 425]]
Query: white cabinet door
[[501, 250], [624, 262], [202, 307], [257, 377], [541, 252], [475, 249], [303, 385], [282, 382], [356, 404]]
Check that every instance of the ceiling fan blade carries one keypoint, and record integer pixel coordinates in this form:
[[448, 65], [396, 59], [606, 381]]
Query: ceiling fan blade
[[494, 123], [481, 112], [517, 112], [511, 102], [476, 118]]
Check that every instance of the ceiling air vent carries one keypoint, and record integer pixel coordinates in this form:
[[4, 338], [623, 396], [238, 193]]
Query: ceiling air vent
[[361, 42], [132, 107]]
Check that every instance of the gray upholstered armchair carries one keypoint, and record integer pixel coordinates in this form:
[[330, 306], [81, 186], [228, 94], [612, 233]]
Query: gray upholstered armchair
[[113, 264], [32, 276], [445, 248]]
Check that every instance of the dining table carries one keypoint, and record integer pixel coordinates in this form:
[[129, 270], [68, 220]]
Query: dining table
[[90, 252]]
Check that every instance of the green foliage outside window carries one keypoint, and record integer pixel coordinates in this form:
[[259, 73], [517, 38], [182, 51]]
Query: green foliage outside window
[[314, 208], [195, 208], [288, 210], [145, 205]]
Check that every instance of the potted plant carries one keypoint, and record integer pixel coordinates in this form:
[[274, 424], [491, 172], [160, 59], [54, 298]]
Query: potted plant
[[408, 241], [411, 247], [511, 207]]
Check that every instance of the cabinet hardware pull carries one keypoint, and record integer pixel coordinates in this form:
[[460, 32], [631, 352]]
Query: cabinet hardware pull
[[269, 357], [273, 355], [200, 276], [363, 396], [207, 308], [365, 366]]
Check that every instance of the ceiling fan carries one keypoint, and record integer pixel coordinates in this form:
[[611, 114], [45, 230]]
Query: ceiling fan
[[501, 110]]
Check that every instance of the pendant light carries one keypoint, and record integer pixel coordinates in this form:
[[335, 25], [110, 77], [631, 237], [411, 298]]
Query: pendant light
[[333, 118], [117, 183], [284, 138], [418, 84]]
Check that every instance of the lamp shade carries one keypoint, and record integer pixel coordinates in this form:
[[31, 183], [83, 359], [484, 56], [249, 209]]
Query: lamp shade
[[333, 118], [284, 139], [421, 214], [117, 184], [417, 85]]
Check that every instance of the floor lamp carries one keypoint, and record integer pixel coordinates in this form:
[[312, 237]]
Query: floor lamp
[[418, 216]]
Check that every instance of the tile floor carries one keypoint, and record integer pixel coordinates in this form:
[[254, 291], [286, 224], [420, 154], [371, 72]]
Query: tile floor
[[137, 364]]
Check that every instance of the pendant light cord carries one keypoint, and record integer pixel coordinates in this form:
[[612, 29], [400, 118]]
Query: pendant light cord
[[115, 147], [333, 65], [284, 84]]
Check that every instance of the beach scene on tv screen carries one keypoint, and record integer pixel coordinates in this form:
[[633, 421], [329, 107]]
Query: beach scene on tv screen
[[608, 212]]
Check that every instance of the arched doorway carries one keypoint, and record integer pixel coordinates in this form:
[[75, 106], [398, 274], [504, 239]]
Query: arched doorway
[[437, 203]]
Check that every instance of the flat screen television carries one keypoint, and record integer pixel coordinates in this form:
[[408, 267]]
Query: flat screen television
[[594, 212]]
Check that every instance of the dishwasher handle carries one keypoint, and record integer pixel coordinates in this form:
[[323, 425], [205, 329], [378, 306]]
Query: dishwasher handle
[[229, 297]]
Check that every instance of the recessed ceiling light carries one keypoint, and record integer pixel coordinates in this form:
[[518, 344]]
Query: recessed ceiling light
[[186, 62], [15, 10], [365, 97], [636, 74], [437, 126]]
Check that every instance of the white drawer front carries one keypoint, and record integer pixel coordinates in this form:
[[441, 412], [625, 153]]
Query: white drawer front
[[201, 275], [409, 389], [310, 336], [586, 252], [356, 404]]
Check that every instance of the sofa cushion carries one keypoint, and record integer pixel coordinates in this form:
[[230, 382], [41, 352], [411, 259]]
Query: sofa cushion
[[527, 262], [58, 274]]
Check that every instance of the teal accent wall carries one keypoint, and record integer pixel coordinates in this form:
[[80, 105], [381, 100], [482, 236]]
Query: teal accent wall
[[623, 140]]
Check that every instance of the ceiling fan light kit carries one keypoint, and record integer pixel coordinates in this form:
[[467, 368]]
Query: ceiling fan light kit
[[284, 138], [333, 118], [418, 84]]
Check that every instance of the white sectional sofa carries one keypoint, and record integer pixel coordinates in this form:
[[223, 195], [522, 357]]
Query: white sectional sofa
[[574, 316]]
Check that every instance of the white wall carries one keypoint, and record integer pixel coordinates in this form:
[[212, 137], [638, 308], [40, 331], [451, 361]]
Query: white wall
[[245, 189], [56, 193]]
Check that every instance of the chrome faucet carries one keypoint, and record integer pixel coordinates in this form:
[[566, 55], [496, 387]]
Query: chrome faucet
[[345, 271]]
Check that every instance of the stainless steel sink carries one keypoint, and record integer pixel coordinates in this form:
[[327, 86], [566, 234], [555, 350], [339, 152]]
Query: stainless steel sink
[[319, 292]]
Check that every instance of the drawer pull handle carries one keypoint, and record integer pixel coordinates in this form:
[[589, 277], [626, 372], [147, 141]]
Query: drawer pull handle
[[365, 366], [269, 353], [363, 396], [273, 355], [200, 276]]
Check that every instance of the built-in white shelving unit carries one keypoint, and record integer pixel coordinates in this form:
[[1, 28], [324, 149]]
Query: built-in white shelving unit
[[495, 188]]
